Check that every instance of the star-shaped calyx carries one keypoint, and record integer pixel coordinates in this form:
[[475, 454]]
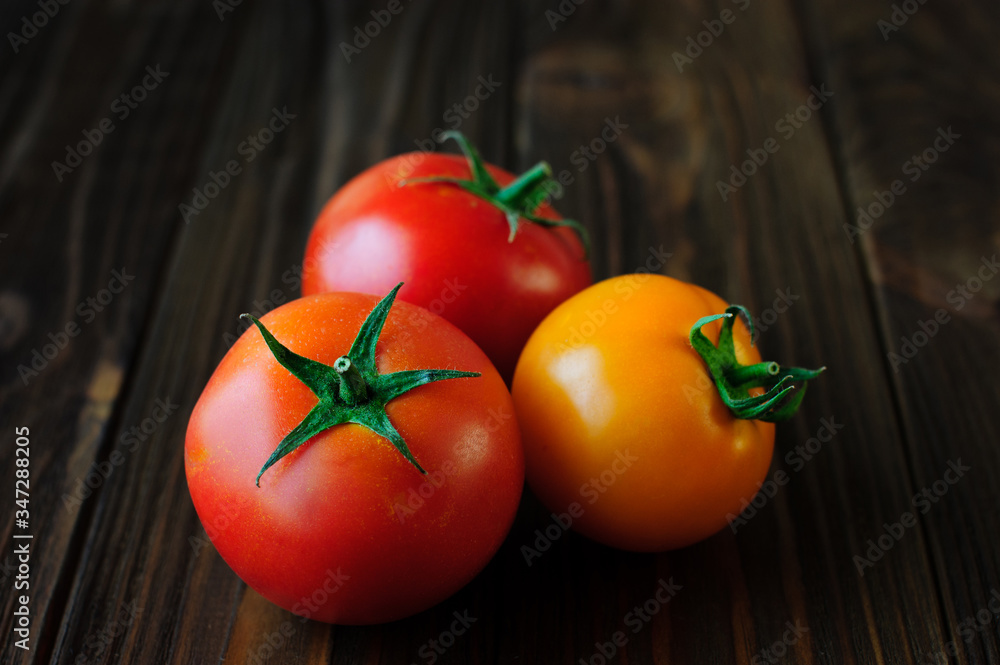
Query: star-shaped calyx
[[784, 387], [521, 198], [351, 390]]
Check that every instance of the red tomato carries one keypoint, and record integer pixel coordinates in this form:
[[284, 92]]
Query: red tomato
[[345, 529], [450, 247]]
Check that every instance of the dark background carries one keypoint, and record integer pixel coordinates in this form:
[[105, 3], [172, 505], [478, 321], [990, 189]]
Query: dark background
[[119, 576]]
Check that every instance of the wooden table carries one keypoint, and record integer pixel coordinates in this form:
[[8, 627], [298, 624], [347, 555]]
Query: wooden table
[[828, 106]]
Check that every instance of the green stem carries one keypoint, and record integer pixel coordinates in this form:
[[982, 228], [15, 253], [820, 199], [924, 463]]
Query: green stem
[[752, 373], [351, 390], [784, 387], [517, 201], [517, 194], [353, 387]]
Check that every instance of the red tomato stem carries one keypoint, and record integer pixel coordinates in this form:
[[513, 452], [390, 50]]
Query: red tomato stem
[[520, 199], [353, 387], [352, 390], [522, 194]]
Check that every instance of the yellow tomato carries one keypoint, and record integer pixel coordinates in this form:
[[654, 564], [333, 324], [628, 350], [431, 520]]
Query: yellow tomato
[[620, 415]]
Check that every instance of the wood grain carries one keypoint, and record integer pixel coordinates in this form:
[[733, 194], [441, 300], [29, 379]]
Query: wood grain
[[902, 87], [128, 576]]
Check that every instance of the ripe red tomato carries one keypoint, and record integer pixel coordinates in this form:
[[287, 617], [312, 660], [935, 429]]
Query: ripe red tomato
[[344, 528], [626, 426], [452, 248]]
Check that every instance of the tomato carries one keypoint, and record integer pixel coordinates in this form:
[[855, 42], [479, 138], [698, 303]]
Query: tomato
[[344, 527], [621, 416], [489, 260]]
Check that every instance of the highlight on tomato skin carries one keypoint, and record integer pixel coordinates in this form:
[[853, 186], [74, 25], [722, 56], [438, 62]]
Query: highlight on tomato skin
[[663, 374], [343, 514], [472, 242]]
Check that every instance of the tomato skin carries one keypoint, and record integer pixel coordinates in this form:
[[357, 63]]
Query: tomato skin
[[335, 509], [619, 414], [451, 250]]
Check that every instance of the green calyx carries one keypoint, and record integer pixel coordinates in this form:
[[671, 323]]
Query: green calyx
[[520, 198], [351, 390], [784, 387]]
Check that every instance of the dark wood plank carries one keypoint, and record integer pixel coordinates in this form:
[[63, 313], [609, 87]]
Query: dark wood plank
[[907, 78], [65, 239], [137, 542], [138, 545], [658, 185]]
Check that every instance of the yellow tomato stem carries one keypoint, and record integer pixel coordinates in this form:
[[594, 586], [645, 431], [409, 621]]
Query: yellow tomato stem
[[783, 387], [741, 374]]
